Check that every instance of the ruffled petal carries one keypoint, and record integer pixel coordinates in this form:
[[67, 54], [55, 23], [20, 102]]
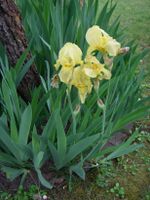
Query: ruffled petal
[[105, 74], [65, 75], [82, 83], [93, 67], [70, 55], [99, 40], [113, 47]]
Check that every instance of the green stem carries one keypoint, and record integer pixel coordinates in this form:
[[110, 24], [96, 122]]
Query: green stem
[[103, 117], [99, 143], [104, 120], [23, 177], [70, 182], [72, 113]]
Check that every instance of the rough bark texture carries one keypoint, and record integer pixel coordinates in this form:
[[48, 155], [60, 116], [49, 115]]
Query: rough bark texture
[[13, 38]]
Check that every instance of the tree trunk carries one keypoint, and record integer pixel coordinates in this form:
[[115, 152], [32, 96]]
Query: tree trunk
[[13, 38]]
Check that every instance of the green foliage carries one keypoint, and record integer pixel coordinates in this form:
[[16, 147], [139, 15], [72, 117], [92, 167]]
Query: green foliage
[[61, 22], [4, 196], [106, 171], [46, 129], [101, 181], [16, 149], [32, 193], [147, 196], [118, 191]]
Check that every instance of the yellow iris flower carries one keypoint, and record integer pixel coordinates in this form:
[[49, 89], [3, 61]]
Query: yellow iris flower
[[105, 74], [94, 69], [75, 72], [92, 66], [82, 82], [69, 56], [99, 40]]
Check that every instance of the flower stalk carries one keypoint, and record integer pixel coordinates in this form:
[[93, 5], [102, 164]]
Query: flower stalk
[[72, 112]]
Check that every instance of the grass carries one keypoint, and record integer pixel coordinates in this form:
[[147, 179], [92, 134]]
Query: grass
[[135, 21]]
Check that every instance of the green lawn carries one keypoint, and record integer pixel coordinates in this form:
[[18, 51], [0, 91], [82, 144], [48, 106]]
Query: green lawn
[[135, 21]]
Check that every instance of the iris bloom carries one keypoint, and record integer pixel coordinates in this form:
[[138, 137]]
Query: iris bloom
[[82, 82], [69, 56], [99, 40], [75, 72], [94, 69]]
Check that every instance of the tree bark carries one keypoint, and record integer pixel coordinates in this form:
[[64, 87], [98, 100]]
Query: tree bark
[[13, 38]]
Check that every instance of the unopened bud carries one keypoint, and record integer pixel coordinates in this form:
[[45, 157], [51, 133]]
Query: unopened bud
[[81, 2], [96, 84], [142, 61], [124, 50], [100, 104], [77, 109], [55, 81], [108, 62]]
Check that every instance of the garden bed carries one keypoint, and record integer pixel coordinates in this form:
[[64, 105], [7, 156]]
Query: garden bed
[[131, 172]]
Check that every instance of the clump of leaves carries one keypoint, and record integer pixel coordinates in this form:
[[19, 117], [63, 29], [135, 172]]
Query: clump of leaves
[[118, 191]]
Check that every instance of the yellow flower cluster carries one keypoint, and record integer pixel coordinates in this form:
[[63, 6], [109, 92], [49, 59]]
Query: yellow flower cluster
[[99, 40], [80, 73]]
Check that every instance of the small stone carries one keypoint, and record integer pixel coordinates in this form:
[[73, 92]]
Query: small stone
[[64, 187], [45, 197]]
